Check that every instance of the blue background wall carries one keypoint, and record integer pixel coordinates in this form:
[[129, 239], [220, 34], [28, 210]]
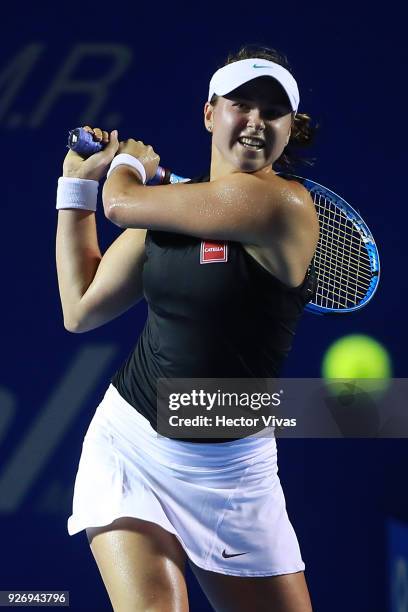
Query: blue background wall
[[146, 72]]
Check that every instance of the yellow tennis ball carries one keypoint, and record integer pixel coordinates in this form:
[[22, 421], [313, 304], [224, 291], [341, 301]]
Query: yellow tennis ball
[[358, 357]]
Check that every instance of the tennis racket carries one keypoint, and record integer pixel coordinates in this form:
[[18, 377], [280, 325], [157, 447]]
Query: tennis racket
[[346, 260]]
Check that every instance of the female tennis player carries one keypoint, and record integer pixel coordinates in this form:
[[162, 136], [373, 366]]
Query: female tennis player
[[148, 502]]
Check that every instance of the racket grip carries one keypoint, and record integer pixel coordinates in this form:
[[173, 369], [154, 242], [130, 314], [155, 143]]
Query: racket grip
[[82, 142]]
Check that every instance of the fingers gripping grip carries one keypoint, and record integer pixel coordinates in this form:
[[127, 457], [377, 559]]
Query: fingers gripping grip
[[81, 141]]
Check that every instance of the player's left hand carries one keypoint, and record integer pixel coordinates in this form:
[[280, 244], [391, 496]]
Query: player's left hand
[[144, 153]]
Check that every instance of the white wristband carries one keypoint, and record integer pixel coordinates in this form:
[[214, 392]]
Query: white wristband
[[124, 159], [81, 194]]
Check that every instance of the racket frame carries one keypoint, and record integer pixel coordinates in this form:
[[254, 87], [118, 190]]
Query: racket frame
[[355, 218]]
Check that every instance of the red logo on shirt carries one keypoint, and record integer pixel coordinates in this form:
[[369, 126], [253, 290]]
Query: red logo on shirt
[[213, 252]]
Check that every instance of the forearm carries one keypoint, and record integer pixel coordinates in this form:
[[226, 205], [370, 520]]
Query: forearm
[[123, 186], [77, 257]]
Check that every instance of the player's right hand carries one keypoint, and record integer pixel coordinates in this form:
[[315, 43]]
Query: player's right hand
[[96, 166]]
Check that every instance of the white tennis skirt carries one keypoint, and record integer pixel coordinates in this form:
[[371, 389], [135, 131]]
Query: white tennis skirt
[[222, 501]]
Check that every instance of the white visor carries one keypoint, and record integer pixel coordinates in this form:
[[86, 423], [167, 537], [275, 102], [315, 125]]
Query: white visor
[[231, 76]]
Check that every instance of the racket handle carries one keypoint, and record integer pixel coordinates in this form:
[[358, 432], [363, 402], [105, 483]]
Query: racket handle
[[82, 142]]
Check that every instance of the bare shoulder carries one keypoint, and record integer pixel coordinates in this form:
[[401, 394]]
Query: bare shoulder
[[297, 206], [286, 192], [295, 192], [294, 235], [304, 196]]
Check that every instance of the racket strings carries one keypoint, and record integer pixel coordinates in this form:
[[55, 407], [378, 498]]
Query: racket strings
[[334, 249], [341, 260], [341, 236]]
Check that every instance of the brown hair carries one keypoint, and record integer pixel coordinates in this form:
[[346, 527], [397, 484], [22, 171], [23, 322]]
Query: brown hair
[[303, 132]]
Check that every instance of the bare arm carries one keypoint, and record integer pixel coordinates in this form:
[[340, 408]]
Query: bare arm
[[77, 257], [239, 206], [244, 207], [95, 289], [272, 217]]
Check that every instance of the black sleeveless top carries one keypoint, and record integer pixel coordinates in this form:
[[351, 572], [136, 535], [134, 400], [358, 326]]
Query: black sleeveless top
[[227, 318]]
